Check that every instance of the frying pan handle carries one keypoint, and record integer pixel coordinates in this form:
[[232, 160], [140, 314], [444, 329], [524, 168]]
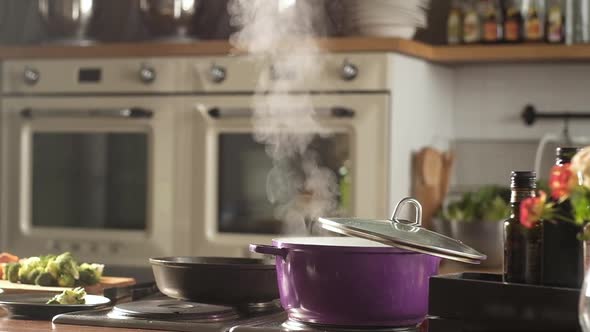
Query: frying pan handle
[[268, 250]]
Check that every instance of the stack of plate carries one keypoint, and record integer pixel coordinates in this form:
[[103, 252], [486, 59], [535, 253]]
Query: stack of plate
[[387, 18]]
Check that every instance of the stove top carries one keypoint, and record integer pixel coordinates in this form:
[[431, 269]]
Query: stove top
[[170, 309], [175, 315], [162, 313]]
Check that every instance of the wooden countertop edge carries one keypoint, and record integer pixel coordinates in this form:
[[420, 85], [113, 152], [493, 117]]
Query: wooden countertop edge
[[209, 47], [438, 54]]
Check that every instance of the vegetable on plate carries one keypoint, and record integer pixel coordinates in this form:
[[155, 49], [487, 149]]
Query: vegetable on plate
[[70, 296], [6, 258], [51, 270]]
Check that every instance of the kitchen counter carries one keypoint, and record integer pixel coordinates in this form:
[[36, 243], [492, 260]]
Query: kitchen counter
[[450, 55], [19, 325]]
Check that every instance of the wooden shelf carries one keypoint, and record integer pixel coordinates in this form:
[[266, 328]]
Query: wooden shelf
[[451, 55], [510, 53]]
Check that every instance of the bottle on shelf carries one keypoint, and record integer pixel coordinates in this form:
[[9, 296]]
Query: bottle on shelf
[[471, 23], [522, 246], [455, 23], [562, 251], [512, 22], [533, 14], [492, 21], [555, 21]]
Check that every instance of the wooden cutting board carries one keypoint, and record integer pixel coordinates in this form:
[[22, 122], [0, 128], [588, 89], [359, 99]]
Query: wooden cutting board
[[431, 172], [105, 282]]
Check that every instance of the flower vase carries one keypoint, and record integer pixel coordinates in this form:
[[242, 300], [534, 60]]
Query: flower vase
[[586, 247]]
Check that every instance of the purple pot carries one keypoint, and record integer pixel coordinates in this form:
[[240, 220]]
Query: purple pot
[[351, 281]]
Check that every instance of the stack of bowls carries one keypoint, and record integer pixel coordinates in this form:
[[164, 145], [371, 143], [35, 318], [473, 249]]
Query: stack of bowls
[[387, 18]]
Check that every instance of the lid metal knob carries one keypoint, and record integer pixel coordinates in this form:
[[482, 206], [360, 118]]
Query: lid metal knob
[[398, 207]]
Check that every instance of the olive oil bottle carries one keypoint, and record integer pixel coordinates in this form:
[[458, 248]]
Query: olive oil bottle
[[562, 251], [523, 256]]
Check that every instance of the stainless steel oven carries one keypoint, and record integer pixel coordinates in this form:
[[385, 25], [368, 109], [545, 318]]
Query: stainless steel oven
[[121, 159], [233, 207], [93, 172]]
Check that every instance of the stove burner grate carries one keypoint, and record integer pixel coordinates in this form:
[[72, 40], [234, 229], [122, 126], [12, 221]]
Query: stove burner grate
[[259, 308], [293, 325], [174, 310]]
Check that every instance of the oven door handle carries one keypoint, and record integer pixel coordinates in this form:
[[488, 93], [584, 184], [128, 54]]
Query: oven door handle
[[335, 112], [123, 113]]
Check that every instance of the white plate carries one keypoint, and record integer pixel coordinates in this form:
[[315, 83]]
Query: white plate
[[32, 305]]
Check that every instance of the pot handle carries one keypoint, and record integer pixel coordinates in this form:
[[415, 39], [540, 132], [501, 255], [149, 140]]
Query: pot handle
[[268, 250]]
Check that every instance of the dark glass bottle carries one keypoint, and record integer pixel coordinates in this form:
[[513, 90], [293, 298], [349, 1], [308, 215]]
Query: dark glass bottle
[[493, 23], [533, 20], [562, 251], [522, 246], [512, 22]]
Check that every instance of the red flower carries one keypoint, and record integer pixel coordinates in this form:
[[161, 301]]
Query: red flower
[[531, 210], [560, 181]]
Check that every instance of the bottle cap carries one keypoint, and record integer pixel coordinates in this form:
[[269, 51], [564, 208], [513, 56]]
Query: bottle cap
[[523, 179], [564, 155]]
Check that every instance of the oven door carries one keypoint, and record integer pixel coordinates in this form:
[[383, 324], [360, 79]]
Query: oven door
[[96, 181], [233, 202]]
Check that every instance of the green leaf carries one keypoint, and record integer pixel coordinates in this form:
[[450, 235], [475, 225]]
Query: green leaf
[[487, 203]]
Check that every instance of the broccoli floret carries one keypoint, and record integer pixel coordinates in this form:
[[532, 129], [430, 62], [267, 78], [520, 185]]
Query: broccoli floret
[[45, 259], [66, 280], [11, 271], [28, 266], [45, 279], [90, 274], [52, 268], [32, 276], [67, 266], [70, 296]]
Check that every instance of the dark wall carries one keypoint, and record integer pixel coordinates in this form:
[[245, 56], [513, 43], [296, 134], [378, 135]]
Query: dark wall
[[120, 21], [114, 21]]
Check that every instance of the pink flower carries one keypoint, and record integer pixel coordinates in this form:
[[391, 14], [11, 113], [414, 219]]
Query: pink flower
[[561, 181], [532, 209]]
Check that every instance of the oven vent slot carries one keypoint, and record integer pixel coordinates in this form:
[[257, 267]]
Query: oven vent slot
[[335, 112], [124, 113]]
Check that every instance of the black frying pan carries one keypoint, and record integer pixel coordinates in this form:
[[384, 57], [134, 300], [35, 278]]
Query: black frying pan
[[216, 280]]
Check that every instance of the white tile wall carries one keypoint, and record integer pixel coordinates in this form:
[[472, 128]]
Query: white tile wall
[[491, 139], [489, 98], [421, 115]]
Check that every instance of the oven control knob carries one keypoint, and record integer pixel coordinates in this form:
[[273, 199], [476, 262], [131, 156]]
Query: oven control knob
[[93, 247], [31, 76], [53, 245], [114, 247], [75, 246], [217, 74], [147, 74], [349, 71]]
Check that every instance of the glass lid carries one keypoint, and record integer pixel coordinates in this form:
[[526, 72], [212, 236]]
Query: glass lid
[[404, 234]]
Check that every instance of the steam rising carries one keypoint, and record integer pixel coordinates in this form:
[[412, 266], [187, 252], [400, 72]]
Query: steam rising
[[282, 31]]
